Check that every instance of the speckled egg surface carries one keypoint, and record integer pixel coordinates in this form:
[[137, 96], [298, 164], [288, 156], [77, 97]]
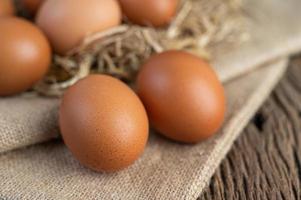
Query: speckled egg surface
[[103, 123], [183, 97]]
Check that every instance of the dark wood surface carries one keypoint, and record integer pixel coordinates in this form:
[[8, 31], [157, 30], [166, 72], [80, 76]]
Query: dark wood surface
[[265, 161]]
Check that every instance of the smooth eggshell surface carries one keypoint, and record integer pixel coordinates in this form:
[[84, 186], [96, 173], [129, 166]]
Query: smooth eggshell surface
[[183, 97], [103, 123], [7, 8], [66, 23], [149, 12], [25, 55]]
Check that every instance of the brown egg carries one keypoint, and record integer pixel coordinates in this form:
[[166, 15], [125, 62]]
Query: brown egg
[[103, 123], [149, 12], [25, 55], [183, 97], [66, 23], [7, 8], [32, 6]]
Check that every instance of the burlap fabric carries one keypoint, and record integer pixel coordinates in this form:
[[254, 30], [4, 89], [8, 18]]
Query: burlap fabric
[[274, 31], [166, 170]]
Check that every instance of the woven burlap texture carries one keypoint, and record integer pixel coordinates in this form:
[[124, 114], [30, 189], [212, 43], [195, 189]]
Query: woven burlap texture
[[166, 170], [28, 120]]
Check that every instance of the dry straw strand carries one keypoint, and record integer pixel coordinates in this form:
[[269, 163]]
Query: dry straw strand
[[120, 51]]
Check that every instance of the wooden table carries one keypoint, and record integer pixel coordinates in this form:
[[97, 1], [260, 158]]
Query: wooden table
[[265, 162]]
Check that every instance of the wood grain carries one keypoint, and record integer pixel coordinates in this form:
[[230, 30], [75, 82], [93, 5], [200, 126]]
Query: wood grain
[[265, 162]]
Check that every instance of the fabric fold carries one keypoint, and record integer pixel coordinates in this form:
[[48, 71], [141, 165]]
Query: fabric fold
[[27, 120], [166, 170]]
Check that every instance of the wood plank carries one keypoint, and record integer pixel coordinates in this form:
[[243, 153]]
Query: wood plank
[[265, 162]]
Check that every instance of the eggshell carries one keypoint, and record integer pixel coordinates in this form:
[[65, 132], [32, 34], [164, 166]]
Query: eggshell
[[66, 23], [7, 8], [103, 123], [149, 12], [183, 97], [25, 55], [32, 6]]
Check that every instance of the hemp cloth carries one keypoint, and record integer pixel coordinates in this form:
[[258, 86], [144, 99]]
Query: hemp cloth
[[166, 170]]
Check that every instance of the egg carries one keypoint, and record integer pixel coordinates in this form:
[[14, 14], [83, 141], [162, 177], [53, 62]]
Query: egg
[[32, 6], [149, 12], [104, 123], [66, 23], [25, 55], [183, 97], [7, 8]]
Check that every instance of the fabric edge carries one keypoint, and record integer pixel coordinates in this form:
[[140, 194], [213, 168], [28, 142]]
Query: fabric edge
[[236, 126]]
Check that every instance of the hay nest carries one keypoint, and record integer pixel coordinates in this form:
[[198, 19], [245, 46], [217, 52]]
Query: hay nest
[[120, 51]]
